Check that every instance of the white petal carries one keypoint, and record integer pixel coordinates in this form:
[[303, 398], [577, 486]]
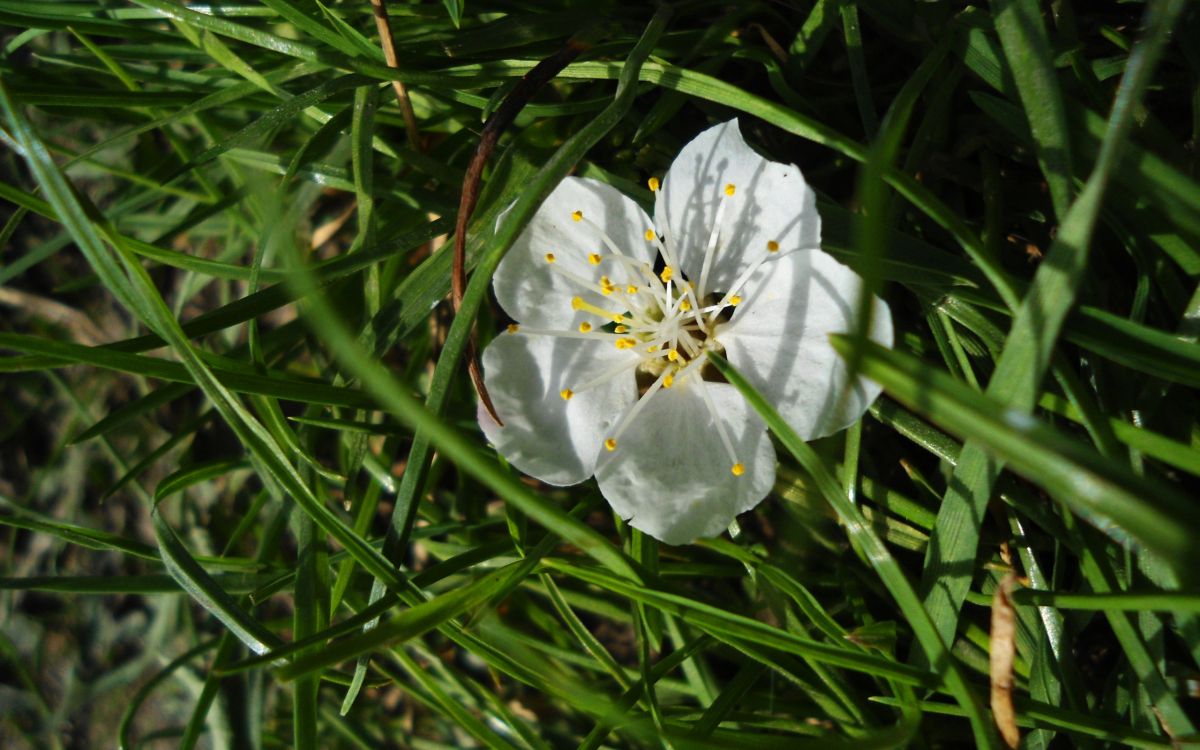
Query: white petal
[[771, 204], [779, 339], [554, 440], [527, 286], [670, 474]]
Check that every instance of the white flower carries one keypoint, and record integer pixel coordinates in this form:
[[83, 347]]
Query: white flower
[[605, 372]]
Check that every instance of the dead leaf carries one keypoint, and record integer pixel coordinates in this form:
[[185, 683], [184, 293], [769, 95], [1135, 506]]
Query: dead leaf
[[1003, 649], [326, 231]]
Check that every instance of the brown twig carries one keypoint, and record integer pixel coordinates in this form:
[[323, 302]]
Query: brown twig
[[495, 125], [384, 25]]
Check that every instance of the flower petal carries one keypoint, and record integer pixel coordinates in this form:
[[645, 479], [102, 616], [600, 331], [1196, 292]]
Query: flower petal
[[670, 474], [530, 289], [771, 203], [548, 437], [779, 339]]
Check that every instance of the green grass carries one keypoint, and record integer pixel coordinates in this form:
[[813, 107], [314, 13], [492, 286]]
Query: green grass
[[255, 511]]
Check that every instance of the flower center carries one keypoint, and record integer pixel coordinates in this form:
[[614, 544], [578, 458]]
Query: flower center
[[668, 322]]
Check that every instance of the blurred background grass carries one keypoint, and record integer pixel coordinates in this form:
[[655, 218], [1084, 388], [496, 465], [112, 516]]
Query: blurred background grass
[[220, 269]]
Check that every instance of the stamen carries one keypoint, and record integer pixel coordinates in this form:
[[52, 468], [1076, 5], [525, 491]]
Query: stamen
[[772, 246], [578, 303], [513, 327], [550, 257], [650, 235], [608, 243], [625, 343], [566, 334], [714, 235], [735, 300], [580, 281], [585, 327], [653, 183], [608, 375], [632, 412], [712, 408], [566, 394], [594, 258], [636, 265], [738, 469], [736, 287], [665, 247], [668, 381], [689, 368], [666, 274]]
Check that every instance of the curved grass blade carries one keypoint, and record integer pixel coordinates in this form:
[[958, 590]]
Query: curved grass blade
[[191, 475], [204, 590]]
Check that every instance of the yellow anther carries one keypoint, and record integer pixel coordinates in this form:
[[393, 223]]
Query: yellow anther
[[735, 300], [738, 469], [730, 189], [577, 216], [772, 246], [549, 257], [668, 381], [566, 394], [626, 343], [650, 235], [621, 329], [513, 327], [594, 259], [610, 444], [685, 305], [666, 274], [672, 355], [631, 289], [585, 326], [654, 184], [652, 348]]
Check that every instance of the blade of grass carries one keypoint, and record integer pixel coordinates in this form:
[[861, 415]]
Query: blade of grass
[[1030, 61], [207, 593], [858, 69]]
